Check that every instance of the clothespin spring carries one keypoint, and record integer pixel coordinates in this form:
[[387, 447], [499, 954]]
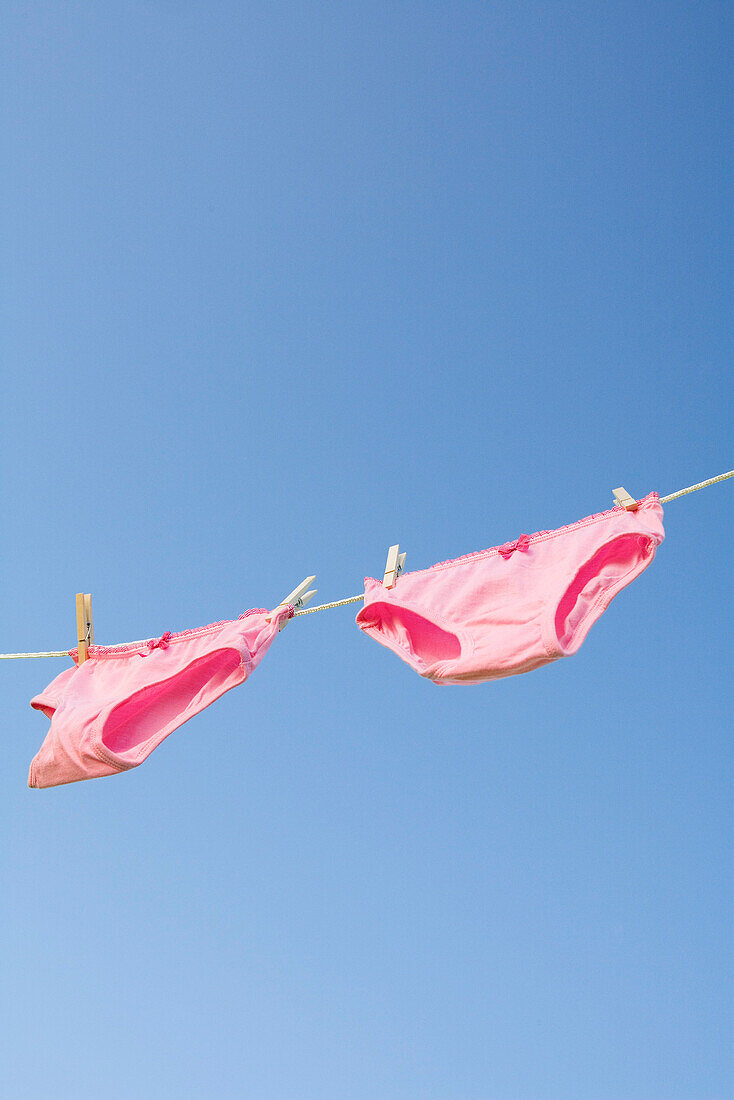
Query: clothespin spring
[[298, 598]]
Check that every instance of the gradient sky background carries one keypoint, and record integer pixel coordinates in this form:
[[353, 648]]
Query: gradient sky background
[[285, 283]]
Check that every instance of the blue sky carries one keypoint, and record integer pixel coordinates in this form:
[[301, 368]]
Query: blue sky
[[286, 283]]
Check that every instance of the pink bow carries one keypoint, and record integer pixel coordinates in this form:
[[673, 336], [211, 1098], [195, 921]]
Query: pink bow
[[521, 543], [160, 643]]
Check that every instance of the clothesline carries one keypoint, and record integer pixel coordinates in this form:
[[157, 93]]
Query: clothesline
[[357, 599]]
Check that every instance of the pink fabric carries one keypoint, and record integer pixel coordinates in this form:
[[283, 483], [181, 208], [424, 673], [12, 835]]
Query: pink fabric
[[515, 607], [109, 713]]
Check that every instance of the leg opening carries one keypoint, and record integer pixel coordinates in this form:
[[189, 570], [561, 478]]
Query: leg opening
[[410, 632], [599, 579], [156, 708], [48, 711]]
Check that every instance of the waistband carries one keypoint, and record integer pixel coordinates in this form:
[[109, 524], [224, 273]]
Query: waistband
[[537, 536], [146, 645]]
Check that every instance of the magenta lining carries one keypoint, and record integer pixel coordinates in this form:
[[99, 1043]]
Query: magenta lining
[[129, 649], [537, 536]]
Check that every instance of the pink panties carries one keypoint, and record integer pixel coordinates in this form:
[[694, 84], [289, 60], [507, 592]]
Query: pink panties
[[515, 607], [109, 713]]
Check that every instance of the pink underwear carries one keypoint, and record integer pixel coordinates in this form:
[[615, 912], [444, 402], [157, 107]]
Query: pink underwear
[[515, 607], [109, 713]]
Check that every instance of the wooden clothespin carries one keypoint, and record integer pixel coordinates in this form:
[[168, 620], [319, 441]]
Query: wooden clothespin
[[298, 598], [625, 501], [394, 565], [84, 625]]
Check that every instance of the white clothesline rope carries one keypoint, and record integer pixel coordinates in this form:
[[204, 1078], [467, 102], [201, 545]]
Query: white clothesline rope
[[701, 485], [357, 599], [326, 606]]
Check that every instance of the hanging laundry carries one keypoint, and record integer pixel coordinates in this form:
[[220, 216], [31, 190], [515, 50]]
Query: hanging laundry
[[109, 713], [515, 607]]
